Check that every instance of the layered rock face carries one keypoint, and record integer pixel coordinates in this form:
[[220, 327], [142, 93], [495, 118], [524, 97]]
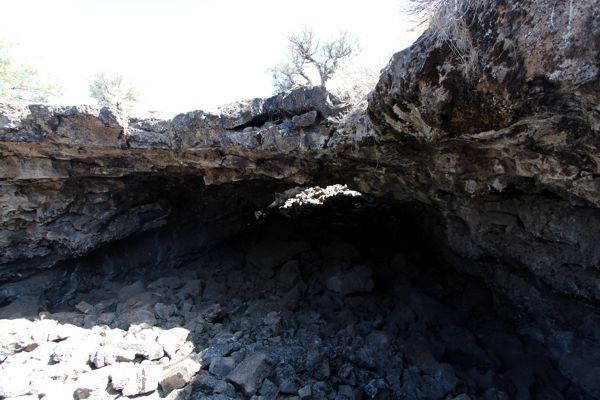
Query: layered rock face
[[495, 150], [504, 140], [74, 178]]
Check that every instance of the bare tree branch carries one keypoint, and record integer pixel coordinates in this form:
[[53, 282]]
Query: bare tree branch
[[306, 53]]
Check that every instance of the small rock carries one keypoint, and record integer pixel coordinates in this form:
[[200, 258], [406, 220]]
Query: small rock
[[346, 392], [305, 392], [180, 394], [191, 290], [268, 390], [167, 283], [7, 296], [288, 386], [374, 387], [356, 280], [128, 291], [85, 308], [322, 370], [164, 311], [70, 318], [137, 316], [148, 349], [90, 320], [179, 374], [107, 355], [249, 373], [53, 389], [221, 366], [104, 305], [270, 254], [14, 380], [172, 340], [134, 379], [91, 381], [76, 350], [225, 388], [205, 383], [289, 274], [106, 318], [347, 374], [212, 313], [220, 350], [304, 120]]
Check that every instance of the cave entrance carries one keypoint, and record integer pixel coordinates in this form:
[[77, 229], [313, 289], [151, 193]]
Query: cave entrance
[[350, 299]]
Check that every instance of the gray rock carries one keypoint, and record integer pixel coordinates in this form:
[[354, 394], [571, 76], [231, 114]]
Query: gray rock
[[129, 291], [375, 387], [305, 120], [205, 383], [271, 254], [289, 274], [76, 350], [148, 349], [106, 355], [172, 340], [305, 392], [164, 311], [91, 381], [225, 388], [221, 349], [134, 379], [178, 374], [249, 374], [221, 366], [85, 308], [212, 313], [268, 390], [355, 280], [346, 392], [14, 380]]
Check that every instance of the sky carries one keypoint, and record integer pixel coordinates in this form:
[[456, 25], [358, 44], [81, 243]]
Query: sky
[[185, 55]]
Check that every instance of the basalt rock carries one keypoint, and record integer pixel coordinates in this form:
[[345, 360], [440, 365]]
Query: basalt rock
[[495, 150]]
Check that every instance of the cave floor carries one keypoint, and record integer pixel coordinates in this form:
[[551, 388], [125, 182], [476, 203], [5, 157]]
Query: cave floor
[[291, 310]]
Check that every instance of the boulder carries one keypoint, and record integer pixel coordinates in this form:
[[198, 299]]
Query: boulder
[[249, 374]]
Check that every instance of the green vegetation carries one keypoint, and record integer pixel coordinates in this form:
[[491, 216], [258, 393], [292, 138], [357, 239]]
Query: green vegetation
[[114, 91], [20, 82]]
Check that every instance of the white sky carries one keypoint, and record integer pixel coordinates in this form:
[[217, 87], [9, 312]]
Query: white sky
[[184, 54]]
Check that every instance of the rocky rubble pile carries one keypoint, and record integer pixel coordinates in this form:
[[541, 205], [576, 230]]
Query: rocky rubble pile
[[44, 358], [285, 313]]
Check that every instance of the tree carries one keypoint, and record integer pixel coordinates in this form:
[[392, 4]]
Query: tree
[[20, 82], [307, 54], [114, 91]]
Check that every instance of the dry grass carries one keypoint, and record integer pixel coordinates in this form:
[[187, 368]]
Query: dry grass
[[448, 20]]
